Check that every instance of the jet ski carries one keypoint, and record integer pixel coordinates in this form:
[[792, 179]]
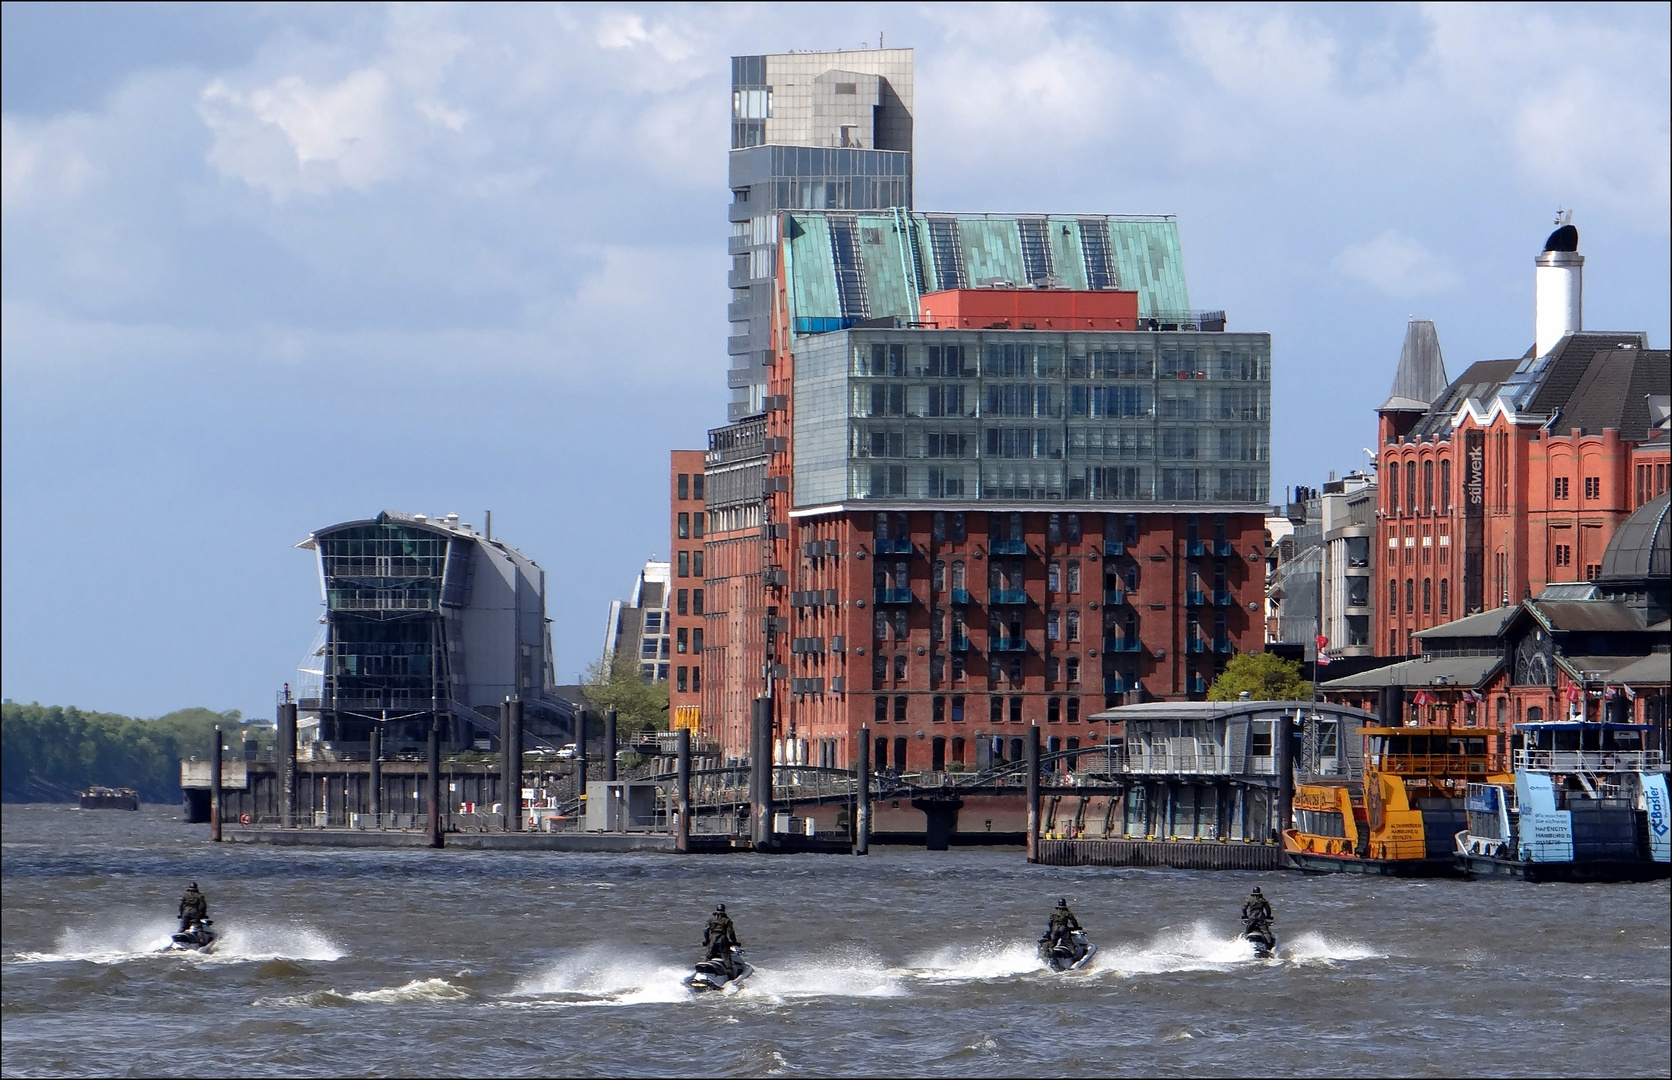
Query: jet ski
[[1070, 954], [196, 938], [1258, 933], [725, 973]]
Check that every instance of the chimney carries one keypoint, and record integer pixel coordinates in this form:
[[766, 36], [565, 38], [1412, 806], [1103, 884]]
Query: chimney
[[1558, 286]]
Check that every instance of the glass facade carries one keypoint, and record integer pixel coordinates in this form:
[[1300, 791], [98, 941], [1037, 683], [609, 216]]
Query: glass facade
[[1136, 417]]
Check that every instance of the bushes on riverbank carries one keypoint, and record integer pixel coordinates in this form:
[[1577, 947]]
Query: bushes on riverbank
[[48, 753]]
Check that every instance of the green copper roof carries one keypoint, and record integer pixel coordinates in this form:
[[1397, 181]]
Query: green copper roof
[[899, 256]]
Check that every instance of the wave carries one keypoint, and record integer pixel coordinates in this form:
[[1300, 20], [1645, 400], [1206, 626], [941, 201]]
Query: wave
[[989, 960], [601, 977], [416, 992], [123, 942]]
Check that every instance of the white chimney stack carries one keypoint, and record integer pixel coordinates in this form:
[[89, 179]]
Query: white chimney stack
[[1558, 287]]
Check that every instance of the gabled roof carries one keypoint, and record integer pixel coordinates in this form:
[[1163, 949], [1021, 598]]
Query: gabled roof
[[1596, 616], [1565, 367], [1613, 392], [1482, 625], [1467, 671], [1480, 382]]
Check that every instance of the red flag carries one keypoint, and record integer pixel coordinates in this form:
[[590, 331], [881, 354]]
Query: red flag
[[1323, 659], [1323, 642], [1423, 698], [1609, 693], [1574, 694], [1631, 695]]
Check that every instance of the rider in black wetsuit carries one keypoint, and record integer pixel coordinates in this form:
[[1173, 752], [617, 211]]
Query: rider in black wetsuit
[[719, 935], [1063, 923], [1256, 913]]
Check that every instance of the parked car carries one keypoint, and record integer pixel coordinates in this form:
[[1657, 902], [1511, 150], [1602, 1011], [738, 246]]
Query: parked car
[[566, 752]]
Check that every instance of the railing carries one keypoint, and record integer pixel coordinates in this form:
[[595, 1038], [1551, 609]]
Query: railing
[[1195, 549], [1426, 764], [960, 643], [894, 547], [960, 596], [1598, 761], [1223, 645], [1195, 597], [1222, 549], [1196, 764], [1128, 644], [384, 603], [1114, 547], [1008, 547], [1114, 596], [1197, 645], [1008, 645], [1222, 598], [1007, 596], [1114, 684], [894, 596]]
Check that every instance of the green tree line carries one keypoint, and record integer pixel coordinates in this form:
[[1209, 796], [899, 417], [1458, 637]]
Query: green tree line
[[48, 753]]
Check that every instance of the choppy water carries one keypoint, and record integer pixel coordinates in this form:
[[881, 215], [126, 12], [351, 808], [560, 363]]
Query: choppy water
[[901, 963]]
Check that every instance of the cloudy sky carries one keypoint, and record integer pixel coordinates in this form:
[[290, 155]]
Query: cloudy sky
[[270, 267]]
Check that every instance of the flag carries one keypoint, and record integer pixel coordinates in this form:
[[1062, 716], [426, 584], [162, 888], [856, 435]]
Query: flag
[[1609, 693], [1323, 659], [1323, 642], [1423, 698], [1631, 695], [1574, 694]]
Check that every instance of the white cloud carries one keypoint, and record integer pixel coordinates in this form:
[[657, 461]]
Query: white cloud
[[1397, 265]]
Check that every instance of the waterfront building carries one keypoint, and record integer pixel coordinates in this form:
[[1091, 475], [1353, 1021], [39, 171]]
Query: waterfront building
[[1594, 649], [1014, 503], [639, 628], [810, 130], [1515, 475], [424, 618], [1324, 584], [687, 525], [734, 647]]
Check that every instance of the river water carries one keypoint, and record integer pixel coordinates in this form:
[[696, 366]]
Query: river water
[[897, 964]]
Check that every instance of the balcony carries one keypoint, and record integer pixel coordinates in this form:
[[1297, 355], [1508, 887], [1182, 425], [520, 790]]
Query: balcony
[[1195, 549], [1123, 644], [1198, 685], [1222, 549], [1115, 684], [894, 547], [1197, 645], [894, 596], [960, 596], [960, 643], [1111, 597], [1114, 547], [1005, 644], [1195, 597], [1007, 596], [1008, 547], [1223, 598]]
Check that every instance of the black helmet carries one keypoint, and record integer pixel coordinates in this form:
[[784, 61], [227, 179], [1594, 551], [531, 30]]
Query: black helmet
[[1063, 902], [1256, 891], [193, 885], [719, 907]]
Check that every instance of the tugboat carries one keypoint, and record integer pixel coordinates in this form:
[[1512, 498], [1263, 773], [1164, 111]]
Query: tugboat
[[109, 798], [1587, 802], [1410, 808]]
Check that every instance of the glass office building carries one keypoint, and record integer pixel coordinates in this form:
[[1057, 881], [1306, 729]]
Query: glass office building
[[1145, 419]]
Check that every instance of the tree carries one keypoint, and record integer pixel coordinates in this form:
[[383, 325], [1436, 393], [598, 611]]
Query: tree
[[614, 682], [1263, 676], [49, 752]]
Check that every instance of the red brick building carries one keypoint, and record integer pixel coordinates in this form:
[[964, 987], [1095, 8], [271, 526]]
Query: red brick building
[[1517, 474], [687, 585]]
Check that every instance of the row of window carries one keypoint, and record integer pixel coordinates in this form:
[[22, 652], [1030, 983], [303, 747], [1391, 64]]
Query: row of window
[[688, 680], [689, 486], [1139, 359], [690, 526], [943, 708], [1428, 490], [1427, 595], [689, 563], [688, 642]]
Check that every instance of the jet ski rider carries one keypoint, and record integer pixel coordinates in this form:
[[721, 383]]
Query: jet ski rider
[[194, 907], [1257, 911], [719, 935], [1063, 923]]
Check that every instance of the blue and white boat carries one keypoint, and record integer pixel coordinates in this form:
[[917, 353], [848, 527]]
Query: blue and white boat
[[1588, 802]]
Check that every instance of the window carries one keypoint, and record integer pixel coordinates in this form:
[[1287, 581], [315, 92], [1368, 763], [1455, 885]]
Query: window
[[1428, 485], [900, 709], [684, 485], [939, 709], [696, 640], [879, 667], [958, 574], [957, 531], [1445, 485], [939, 525], [1073, 528], [1427, 595], [696, 602], [1074, 572], [902, 626], [1410, 596], [681, 640], [682, 601], [1393, 596], [900, 669], [1073, 667], [937, 576], [696, 564], [1073, 710], [1073, 628], [1015, 710], [1053, 528], [1053, 710], [684, 527], [1411, 487], [882, 710], [696, 524], [696, 680], [684, 558], [1445, 596], [1052, 664], [1593, 487], [696, 486], [1393, 488], [1053, 577], [957, 708], [1561, 487], [1053, 626], [995, 710], [1564, 554], [680, 679], [1593, 571]]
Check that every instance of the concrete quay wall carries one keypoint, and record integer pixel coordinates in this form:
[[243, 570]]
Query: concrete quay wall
[[1179, 854]]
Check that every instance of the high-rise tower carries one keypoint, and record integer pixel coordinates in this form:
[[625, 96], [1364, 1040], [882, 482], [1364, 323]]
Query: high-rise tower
[[814, 131]]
